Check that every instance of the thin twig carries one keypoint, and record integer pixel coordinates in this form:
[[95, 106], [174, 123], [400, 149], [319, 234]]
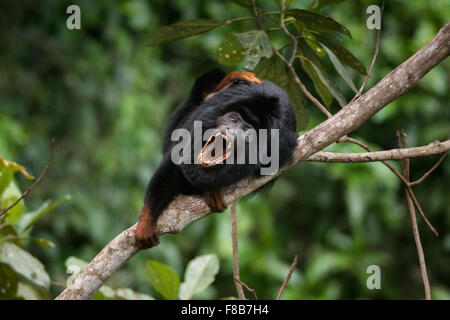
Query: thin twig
[[285, 282], [401, 135], [290, 35], [283, 25], [423, 267], [398, 174], [412, 213], [295, 44], [35, 183], [429, 171], [234, 238], [247, 287], [377, 46], [422, 214]]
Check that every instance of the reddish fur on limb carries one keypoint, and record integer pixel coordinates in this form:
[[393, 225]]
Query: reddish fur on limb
[[215, 201], [146, 231]]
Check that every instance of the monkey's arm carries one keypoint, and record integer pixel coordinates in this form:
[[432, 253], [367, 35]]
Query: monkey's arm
[[166, 183]]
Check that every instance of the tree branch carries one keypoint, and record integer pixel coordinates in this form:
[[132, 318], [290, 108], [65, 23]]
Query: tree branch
[[234, 237], [288, 277], [186, 209], [252, 291], [433, 148], [409, 198]]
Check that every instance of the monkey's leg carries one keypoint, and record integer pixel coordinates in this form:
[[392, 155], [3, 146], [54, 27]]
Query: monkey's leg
[[215, 201], [162, 189], [146, 231]]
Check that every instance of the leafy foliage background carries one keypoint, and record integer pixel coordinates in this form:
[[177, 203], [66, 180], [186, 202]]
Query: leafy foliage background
[[105, 96]]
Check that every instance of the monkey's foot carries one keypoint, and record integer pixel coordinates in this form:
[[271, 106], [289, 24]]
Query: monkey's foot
[[215, 201], [146, 232]]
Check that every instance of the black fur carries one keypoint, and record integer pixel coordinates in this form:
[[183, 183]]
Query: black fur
[[262, 105]]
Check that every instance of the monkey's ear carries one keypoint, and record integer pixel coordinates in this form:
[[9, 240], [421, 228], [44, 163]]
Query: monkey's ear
[[206, 83]]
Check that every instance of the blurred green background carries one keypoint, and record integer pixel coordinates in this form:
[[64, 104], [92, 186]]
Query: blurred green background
[[105, 96]]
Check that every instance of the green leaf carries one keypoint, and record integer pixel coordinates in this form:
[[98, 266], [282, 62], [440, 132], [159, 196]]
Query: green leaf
[[272, 69], [330, 86], [299, 104], [318, 22], [321, 89], [107, 292], [9, 196], [128, 294], [27, 292], [345, 56], [340, 69], [257, 45], [74, 261], [242, 3], [30, 218], [7, 230], [318, 74], [230, 51], [16, 167], [163, 279], [6, 176], [200, 273], [323, 3], [43, 243], [182, 29], [102, 295], [25, 264], [310, 39], [8, 282]]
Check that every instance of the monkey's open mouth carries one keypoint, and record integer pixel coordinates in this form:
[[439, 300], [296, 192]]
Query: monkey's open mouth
[[209, 155]]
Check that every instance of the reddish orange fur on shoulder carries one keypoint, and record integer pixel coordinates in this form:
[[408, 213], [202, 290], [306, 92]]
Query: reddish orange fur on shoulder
[[236, 75]]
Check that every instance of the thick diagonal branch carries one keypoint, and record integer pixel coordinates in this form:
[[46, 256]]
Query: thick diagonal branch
[[185, 210]]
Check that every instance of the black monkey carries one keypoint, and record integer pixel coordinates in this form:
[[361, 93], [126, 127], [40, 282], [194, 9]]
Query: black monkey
[[233, 105]]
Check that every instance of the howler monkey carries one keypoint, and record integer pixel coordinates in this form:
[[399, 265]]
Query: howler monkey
[[232, 106]]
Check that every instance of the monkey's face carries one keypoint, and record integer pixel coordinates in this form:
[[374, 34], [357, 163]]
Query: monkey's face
[[233, 126], [232, 130]]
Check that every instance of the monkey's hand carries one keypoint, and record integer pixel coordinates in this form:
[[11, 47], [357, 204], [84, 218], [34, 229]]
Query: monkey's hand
[[215, 201], [146, 231]]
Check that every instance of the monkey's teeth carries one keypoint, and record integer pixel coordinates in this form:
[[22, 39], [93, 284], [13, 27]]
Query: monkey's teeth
[[204, 158]]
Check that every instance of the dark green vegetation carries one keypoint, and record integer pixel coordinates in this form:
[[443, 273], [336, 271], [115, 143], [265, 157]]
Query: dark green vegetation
[[105, 96]]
